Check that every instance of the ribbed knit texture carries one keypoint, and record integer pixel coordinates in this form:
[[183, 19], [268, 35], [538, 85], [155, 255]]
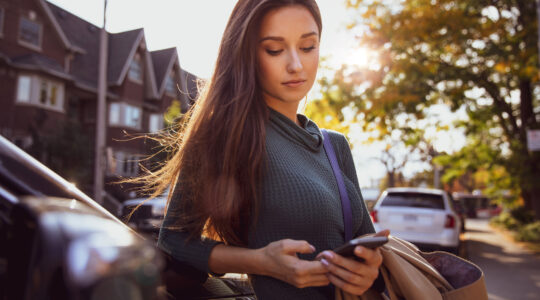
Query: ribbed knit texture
[[299, 200]]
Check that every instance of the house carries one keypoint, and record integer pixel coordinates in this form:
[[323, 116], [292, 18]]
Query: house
[[48, 87]]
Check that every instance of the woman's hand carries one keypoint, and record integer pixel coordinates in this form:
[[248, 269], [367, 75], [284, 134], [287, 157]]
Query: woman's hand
[[353, 276], [280, 261]]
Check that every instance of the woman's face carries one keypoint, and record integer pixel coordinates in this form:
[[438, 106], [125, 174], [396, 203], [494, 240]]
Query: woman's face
[[288, 55]]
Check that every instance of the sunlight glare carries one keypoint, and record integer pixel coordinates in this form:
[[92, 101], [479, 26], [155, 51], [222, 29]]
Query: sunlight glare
[[362, 57]]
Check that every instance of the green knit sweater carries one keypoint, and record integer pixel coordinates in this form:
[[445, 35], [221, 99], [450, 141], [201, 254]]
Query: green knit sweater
[[299, 200]]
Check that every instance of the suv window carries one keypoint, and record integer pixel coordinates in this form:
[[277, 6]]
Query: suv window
[[413, 200]]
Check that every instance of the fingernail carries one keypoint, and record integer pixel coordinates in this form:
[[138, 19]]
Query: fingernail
[[312, 248], [359, 250], [324, 262], [328, 255]]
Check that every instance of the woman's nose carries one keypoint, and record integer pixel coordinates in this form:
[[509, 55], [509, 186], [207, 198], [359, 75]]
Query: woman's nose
[[295, 64]]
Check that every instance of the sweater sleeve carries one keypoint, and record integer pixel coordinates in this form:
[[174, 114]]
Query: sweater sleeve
[[175, 242], [347, 167]]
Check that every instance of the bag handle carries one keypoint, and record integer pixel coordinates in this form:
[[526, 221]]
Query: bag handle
[[345, 202]]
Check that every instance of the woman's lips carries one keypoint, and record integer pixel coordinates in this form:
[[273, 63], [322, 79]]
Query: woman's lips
[[294, 83]]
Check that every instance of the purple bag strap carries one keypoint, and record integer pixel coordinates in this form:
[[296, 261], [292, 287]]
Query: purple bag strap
[[345, 202]]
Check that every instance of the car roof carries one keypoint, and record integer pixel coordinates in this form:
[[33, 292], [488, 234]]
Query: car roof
[[415, 190], [155, 200]]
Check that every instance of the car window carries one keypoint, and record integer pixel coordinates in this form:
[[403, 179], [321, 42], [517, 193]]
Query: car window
[[414, 200]]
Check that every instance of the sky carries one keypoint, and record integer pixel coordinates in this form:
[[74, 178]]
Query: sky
[[195, 28]]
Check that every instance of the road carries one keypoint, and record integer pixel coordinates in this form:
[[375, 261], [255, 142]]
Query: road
[[511, 271]]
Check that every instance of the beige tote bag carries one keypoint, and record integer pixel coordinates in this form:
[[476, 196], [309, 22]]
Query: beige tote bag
[[414, 275]]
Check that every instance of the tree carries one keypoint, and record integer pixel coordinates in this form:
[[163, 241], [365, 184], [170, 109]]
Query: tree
[[481, 54], [67, 150]]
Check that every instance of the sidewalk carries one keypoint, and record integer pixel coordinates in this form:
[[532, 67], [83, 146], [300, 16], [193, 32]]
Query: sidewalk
[[512, 272]]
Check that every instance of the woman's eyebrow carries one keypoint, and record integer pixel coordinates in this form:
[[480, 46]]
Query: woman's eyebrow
[[280, 39]]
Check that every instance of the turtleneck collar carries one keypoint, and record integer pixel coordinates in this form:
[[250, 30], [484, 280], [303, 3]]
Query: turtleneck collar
[[307, 134]]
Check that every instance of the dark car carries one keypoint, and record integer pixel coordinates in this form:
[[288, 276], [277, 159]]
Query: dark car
[[460, 210], [144, 215], [57, 243]]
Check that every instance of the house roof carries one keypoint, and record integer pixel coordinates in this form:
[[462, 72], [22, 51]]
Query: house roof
[[59, 30], [38, 62], [122, 47], [163, 61], [84, 35]]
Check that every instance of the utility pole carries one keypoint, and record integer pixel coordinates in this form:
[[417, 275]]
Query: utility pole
[[99, 162], [538, 27]]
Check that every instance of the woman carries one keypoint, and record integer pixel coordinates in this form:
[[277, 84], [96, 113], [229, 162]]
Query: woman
[[254, 191]]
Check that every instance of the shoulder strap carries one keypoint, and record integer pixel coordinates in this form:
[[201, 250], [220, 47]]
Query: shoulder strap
[[345, 202]]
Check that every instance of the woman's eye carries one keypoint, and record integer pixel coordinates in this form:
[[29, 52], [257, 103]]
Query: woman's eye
[[273, 52], [308, 49]]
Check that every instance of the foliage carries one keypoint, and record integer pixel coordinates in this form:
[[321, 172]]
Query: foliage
[[521, 223], [327, 110], [477, 54], [67, 151], [529, 233], [506, 220], [521, 215], [173, 113]]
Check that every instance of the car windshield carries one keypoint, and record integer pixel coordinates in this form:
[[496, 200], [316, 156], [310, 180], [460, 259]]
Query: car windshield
[[414, 200]]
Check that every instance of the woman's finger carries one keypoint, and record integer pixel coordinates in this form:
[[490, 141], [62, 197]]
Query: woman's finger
[[384, 232], [319, 280], [354, 278], [347, 287], [295, 246], [371, 257], [311, 267], [346, 263]]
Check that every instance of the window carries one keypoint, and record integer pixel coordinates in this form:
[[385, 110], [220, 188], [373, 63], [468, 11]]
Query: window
[[413, 199], [170, 84], [40, 92], [123, 114], [30, 32], [135, 69], [24, 86], [155, 123], [132, 115], [114, 113], [124, 164]]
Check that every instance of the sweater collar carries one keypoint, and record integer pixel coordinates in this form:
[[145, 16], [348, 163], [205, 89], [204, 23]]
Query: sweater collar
[[308, 134]]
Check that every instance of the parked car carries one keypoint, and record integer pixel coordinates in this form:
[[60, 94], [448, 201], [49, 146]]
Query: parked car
[[57, 243], [477, 205], [422, 216], [460, 210], [143, 214], [370, 196]]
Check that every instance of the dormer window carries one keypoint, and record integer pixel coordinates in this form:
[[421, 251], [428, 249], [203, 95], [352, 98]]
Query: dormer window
[[170, 84], [30, 33], [135, 69]]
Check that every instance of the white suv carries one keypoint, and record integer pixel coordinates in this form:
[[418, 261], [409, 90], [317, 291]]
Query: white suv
[[422, 216]]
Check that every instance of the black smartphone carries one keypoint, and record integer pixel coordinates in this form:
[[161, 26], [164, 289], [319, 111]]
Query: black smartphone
[[370, 242]]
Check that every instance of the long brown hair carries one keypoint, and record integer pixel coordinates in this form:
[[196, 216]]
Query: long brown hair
[[221, 148]]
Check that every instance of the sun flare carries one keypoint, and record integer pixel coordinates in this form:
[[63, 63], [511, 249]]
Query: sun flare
[[362, 57]]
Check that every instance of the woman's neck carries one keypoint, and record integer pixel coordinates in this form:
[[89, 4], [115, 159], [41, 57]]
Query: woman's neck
[[288, 109]]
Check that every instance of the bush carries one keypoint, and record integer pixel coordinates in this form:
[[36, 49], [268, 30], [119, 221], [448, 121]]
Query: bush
[[506, 220], [529, 232], [523, 215]]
